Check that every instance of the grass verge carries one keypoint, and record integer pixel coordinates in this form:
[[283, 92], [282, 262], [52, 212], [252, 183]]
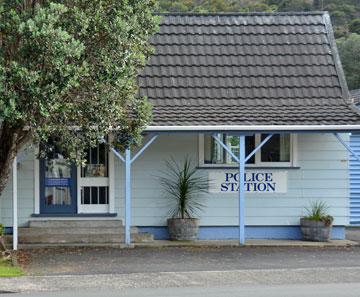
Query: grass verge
[[7, 269]]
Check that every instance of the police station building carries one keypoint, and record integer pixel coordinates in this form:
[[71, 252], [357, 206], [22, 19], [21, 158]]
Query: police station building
[[259, 95]]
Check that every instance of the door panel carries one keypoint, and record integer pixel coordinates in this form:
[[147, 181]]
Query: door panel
[[94, 181]]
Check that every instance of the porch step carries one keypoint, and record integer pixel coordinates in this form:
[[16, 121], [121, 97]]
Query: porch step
[[75, 223], [72, 245], [83, 238], [79, 233], [33, 231]]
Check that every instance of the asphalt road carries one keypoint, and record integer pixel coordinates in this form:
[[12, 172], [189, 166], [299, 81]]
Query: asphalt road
[[323, 290], [191, 272], [143, 260]]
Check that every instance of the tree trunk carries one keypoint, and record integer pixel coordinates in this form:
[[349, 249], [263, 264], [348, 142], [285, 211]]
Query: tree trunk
[[11, 140]]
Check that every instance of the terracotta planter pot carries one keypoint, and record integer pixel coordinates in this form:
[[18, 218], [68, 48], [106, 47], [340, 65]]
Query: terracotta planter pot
[[183, 229], [315, 230]]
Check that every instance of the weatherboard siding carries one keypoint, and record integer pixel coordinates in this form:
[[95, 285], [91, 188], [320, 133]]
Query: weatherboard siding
[[25, 194], [323, 174]]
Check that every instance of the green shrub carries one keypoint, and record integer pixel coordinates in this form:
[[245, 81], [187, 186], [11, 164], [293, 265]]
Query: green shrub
[[2, 230]]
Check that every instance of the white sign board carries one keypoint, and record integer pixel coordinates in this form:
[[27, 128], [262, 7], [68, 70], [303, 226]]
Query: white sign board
[[256, 181]]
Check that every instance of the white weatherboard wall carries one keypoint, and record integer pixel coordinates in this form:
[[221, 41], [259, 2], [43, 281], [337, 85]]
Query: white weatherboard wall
[[25, 194], [323, 174]]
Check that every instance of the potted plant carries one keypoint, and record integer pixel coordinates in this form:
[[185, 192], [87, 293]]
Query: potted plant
[[317, 224], [184, 187]]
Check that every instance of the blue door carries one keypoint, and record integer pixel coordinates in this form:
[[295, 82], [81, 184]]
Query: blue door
[[57, 185]]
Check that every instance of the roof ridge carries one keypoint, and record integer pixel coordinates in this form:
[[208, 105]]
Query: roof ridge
[[240, 13]]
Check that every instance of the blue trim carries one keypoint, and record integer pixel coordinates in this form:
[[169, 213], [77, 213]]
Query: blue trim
[[251, 232], [19, 159], [8, 230], [43, 215], [113, 150], [347, 147], [252, 132], [144, 148], [246, 167]]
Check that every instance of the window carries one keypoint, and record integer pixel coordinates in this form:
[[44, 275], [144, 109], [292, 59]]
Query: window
[[94, 177], [277, 151]]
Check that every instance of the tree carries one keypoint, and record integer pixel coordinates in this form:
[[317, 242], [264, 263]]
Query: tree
[[354, 26], [260, 7], [349, 51], [294, 5], [68, 71], [178, 7]]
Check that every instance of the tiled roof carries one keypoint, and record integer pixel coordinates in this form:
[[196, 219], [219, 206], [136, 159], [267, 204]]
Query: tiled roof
[[246, 69], [355, 95]]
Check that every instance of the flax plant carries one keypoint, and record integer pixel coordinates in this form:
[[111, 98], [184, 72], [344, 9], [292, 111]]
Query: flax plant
[[185, 187], [318, 211]]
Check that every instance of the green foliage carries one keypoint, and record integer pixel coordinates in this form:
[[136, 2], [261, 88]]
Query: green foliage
[[354, 26], [318, 211], [2, 230], [338, 18], [349, 51], [177, 7], [294, 5], [340, 32], [70, 66], [184, 186], [260, 7]]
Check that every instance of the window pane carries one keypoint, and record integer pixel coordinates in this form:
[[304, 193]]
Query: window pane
[[94, 195], [103, 195], [57, 167], [249, 147], [96, 160], [277, 149], [217, 151], [57, 196], [86, 197], [214, 153]]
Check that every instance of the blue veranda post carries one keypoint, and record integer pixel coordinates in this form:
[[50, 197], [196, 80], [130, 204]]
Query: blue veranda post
[[127, 160], [241, 189]]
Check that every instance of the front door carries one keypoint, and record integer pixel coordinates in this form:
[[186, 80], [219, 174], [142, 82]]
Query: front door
[[57, 185]]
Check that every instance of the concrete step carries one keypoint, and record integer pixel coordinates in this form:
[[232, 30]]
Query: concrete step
[[75, 230], [75, 223], [71, 245], [83, 238]]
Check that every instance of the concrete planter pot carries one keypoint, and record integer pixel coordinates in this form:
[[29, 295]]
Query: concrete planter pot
[[183, 229], [312, 230]]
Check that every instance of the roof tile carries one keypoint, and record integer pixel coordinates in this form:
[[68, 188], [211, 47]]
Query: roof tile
[[245, 69]]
